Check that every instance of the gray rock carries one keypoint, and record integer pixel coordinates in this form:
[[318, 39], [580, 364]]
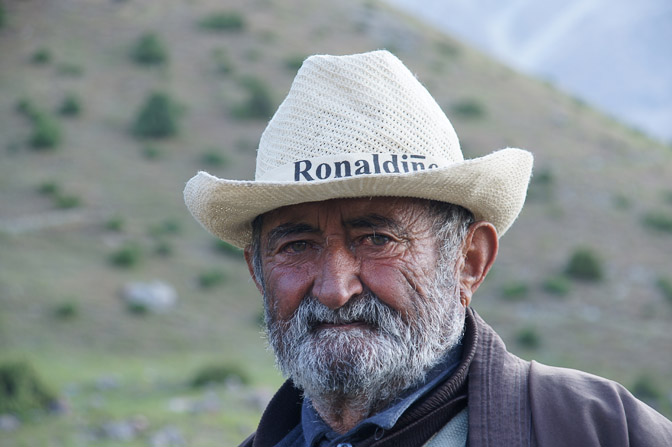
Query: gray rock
[[9, 422], [154, 296]]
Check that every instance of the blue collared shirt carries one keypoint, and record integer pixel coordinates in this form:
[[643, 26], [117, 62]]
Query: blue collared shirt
[[314, 432]]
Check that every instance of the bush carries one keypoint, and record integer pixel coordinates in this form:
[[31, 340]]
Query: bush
[[149, 50], [115, 223], [165, 227], [665, 286], [71, 106], [293, 63], [3, 16], [646, 389], [214, 158], [223, 21], [259, 103], [528, 338], [557, 285], [468, 109], [218, 374], [21, 390], [223, 63], [210, 279], [66, 310], [46, 133], [151, 152], [49, 188], [658, 221], [227, 249], [41, 56], [541, 185], [157, 118], [515, 291], [127, 256], [66, 201], [584, 265]]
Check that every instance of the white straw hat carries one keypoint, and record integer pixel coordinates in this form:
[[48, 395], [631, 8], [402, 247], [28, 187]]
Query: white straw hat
[[360, 126]]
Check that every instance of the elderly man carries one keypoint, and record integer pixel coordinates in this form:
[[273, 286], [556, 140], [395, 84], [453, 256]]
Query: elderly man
[[367, 234]]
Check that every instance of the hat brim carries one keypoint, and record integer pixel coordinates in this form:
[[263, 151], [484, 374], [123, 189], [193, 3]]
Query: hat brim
[[492, 187]]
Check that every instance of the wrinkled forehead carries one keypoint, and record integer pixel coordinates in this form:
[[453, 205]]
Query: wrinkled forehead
[[395, 209]]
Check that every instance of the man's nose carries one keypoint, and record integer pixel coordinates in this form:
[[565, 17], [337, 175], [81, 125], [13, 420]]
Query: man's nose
[[338, 276]]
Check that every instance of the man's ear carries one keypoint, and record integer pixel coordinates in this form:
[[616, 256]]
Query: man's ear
[[478, 254], [249, 256]]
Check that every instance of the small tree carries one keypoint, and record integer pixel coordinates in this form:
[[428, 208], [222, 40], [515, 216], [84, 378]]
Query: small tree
[[585, 265], [21, 390], [259, 103], [149, 50], [46, 133], [157, 118], [223, 21]]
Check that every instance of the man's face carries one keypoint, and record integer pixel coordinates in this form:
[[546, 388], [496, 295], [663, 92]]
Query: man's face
[[353, 295]]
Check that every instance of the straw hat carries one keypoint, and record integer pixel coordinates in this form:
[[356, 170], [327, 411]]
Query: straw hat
[[360, 126]]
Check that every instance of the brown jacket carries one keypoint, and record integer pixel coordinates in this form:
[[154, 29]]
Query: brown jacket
[[511, 402]]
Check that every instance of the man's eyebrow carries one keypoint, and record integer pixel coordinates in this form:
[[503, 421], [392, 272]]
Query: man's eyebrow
[[376, 221], [284, 230]]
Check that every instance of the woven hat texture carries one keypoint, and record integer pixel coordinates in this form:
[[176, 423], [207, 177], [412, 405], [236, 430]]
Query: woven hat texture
[[360, 126]]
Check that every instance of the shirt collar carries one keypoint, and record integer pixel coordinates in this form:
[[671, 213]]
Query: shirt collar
[[314, 428]]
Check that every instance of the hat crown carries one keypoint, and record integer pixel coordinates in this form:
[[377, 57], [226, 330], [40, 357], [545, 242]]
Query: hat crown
[[364, 103]]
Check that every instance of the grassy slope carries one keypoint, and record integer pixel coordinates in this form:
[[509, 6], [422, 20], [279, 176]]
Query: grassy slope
[[617, 328]]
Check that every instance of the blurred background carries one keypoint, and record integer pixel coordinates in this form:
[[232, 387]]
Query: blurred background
[[123, 322]]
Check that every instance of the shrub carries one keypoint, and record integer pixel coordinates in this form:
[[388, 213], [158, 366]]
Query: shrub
[[293, 63], [223, 63], [541, 185], [646, 388], [218, 374], [151, 152], [149, 50], [528, 338], [584, 265], [41, 56], [165, 227], [49, 188], [27, 108], [210, 279], [226, 248], [46, 133], [157, 118], [557, 285], [66, 201], [115, 223], [468, 109], [214, 158], [21, 390], [223, 21], [127, 256], [665, 286], [163, 248], [71, 106], [3, 16], [259, 102], [659, 221], [70, 69], [515, 291], [66, 310]]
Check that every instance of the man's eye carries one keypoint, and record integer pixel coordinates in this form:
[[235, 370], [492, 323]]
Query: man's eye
[[296, 247], [378, 239]]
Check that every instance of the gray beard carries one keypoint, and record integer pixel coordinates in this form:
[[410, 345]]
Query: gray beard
[[366, 366]]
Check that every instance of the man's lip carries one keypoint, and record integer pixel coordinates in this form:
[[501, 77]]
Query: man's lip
[[351, 325]]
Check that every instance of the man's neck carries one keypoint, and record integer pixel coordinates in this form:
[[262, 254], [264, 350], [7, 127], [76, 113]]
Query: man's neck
[[343, 413]]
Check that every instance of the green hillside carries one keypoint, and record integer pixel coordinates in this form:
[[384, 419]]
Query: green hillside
[[91, 199]]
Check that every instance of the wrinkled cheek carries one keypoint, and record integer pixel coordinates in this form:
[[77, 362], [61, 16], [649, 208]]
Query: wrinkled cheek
[[285, 290]]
